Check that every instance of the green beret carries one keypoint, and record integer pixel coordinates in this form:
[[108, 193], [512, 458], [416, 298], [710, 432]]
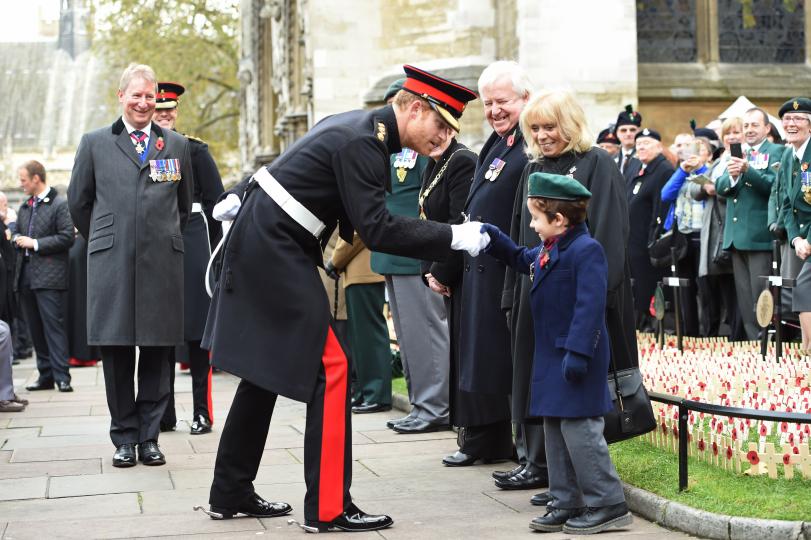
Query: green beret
[[798, 104], [556, 186], [395, 87]]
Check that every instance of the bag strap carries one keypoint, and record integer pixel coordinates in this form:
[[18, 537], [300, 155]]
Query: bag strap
[[616, 383]]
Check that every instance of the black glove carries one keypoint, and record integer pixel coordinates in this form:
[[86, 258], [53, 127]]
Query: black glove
[[331, 271], [778, 232], [575, 367]]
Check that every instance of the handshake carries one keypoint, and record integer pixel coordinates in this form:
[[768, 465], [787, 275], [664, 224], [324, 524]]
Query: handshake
[[471, 237]]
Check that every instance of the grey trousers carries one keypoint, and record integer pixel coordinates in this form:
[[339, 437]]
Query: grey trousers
[[580, 470], [421, 325], [6, 379], [530, 445], [747, 267], [790, 267]]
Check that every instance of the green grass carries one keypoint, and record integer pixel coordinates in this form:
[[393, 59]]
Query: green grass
[[398, 386], [711, 488]]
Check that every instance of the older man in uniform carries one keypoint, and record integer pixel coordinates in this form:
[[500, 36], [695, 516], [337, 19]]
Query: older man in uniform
[[197, 238], [628, 124], [280, 340], [130, 196]]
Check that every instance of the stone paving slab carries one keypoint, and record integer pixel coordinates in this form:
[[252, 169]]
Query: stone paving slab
[[50, 468], [23, 488], [139, 479], [34, 511]]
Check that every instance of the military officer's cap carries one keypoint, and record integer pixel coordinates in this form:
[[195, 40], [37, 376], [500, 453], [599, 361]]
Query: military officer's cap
[[608, 136], [447, 98], [629, 117], [393, 88], [556, 186], [168, 94], [648, 133], [798, 105]]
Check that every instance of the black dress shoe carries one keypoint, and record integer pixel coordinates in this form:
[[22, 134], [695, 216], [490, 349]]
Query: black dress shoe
[[124, 456], [529, 478], [554, 519], [541, 499], [365, 408], [595, 520], [200, 425], [500, 475], [353, 520], [391, 423], [459, 459], [253, 506], [150, 454], [419, 426], [165, 426], [40, 385], [64, 386]]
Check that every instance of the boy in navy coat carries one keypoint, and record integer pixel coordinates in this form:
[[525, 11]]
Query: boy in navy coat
[[570, 366]]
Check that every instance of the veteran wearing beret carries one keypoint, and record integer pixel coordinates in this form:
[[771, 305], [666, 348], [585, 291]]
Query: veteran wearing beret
[[280, 340], [130, 196], [629, 122]]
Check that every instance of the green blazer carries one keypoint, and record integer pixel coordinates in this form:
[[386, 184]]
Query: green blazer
[[779, 193], [401, 201], [746, 227], [795, 211]]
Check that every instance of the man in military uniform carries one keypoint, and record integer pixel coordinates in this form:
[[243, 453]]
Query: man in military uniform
[[608, 141], [280, 340], [197, 238], [628, 124]]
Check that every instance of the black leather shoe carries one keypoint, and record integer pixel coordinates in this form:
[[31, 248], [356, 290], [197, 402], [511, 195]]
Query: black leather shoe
[[200, 425], [459, 459], [165, 426], [365, 408], [353, 520], [595, 520], [22, 355], [253, 506], [554, 519], [541, 499], [124, 456], [529, 478], [500, 475], [150, 454], [391, 423], [419, 426], [64, 386], [40, 385]]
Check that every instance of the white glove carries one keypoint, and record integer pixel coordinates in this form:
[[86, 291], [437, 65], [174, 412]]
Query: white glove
[[226, 209], [468, 237]]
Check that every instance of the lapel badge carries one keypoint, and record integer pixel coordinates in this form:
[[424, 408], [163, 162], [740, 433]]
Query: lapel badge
[[401, 174], [494, 169], [159, 144], [804, 167], [381, 132], [637, 186], [511, 139]]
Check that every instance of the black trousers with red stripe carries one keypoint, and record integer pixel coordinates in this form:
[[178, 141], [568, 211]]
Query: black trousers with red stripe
[[327, 441]]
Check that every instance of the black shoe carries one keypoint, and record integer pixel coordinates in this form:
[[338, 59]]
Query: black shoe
[[64, 386], [554, 519], [391, 423], [500, 475], [150, 454], [595, 520], [200, 425], [124, 456], [419, 426], [40, 385], [15, 362], [166, 426], [365, 408], [460, 459], [541, 499], [22, 355], [253, 506], [529, 478], [353, 520]]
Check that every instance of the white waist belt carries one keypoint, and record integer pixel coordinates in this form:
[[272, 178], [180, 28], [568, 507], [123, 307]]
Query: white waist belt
[[291, 206], [196, 207]]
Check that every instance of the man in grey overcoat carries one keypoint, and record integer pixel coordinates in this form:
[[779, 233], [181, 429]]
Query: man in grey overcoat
[[130, 195]]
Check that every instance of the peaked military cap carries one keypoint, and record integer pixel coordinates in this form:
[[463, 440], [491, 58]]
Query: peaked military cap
[[607, 136], [648, 133], [798, 105], [393, 88], [168, 94], [556, 186], [446, 97], [629, 117]]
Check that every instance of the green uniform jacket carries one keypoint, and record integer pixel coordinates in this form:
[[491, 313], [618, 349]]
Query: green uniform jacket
[[795, 211], [778, 193], [746, 226], [402, 201]]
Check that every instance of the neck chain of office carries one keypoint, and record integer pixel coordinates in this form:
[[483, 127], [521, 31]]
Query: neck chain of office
[[427, 191]]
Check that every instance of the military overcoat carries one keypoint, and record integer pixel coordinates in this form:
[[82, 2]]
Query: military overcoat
[[133, 225]]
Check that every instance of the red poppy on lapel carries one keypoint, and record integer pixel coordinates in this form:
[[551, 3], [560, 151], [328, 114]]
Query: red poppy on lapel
[[159, 144]]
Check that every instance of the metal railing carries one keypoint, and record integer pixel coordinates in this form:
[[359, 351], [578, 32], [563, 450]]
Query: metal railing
[[686, 405]]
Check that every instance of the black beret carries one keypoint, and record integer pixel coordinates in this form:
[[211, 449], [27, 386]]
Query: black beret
[[607, 136], [648, 133], [629, 117], [395, 87], [798, 104]]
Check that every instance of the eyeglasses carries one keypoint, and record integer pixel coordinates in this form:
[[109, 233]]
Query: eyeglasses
[[799, 119]]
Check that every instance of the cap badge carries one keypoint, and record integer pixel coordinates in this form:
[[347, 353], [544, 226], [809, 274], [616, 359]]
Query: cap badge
[[646, 132], [381, 132], [796, 105]]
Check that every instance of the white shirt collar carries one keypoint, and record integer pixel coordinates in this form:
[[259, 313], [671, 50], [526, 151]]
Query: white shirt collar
[[756, 148], [800, 152], [130, 129]]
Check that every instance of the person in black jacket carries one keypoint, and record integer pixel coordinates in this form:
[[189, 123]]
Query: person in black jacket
[[43, 239], [197, 249]]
